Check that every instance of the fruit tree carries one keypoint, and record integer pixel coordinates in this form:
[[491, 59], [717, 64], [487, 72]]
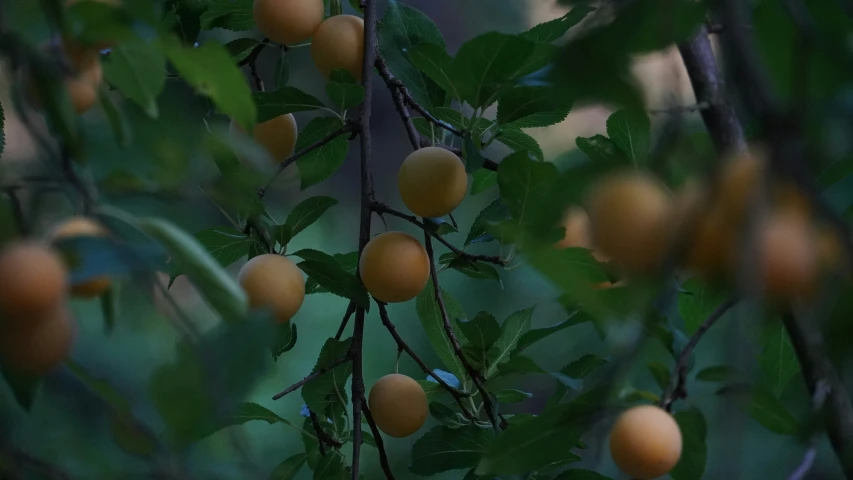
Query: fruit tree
[[292, 239]]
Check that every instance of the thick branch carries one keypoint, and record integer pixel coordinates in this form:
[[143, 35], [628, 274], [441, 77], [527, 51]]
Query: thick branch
[[370, 47], [314, 375], [678, 382], [451, 335], [719, 116], [380, 444], [348, 127], [382, 208], [403, 346], [406, 98]]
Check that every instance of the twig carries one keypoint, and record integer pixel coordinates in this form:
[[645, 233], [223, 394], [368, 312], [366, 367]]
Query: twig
[[677, 387], [818, 401], [406, 98], [323, 438], [345, 320], [367, 195], [382, 208], [348, 127], [399, 103], [380, 444], [680, 109], [76, 182], [314, 375], [451, 335], [403, 346]]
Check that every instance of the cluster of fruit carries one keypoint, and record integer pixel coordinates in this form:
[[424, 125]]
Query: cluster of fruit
[[37, 330], [634, 221]]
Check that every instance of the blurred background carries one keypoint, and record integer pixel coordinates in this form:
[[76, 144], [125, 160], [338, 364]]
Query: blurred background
[[69, 427]]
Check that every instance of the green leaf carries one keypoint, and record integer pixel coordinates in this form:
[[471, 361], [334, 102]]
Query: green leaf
[[329, 274], [491, 60], [719, 373], [778, 360], [553, 30], [519, 141], [344, 94], [191, 257], [118, 122], [24, 387], [246, 412], [630, 130], [446, 416], [302, 216], [289, 468], [226, 244], [284, 340], [109, 307], [771, 413], [235, 15], [240, 48], [347, 261], [283, 101], [540, 441], [512, 396], [582, 367], [432, 321], [210, 70], [519, 364], [516, 325], [694, 452], [281, 73], [210, 377], [473, 157], [494, 212], [475, 270], [482, 331], [331, 467], [442, 449], [528, 107], [137, 70], [483, 180], [580, 474], [402, 29], [441, 68], [601, 148], [533, 336], [523, 183], [696, 303], [660, 372], [323, 162], [329, 388], [100, 387]]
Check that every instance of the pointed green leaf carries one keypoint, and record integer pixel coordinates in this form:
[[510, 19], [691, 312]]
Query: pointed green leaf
[[581, 367], [137, 70], [778, 360], [494, 212], [432, 321], [442, 449], [553, 30], [512, 396], [519, 141], [523, 183], [235, 15], [289, 468], [483, 180], [284, 340], [240, 48], [327, 272], [630, 130], [696, 303], [528, 107], [694, 452], [440, 67], [24, 387], [323, 162], [283, 101], [491, 59], [302, 216], [516, 325], [720, 373], [660, 372], [601, 148], [347, 261], [329, 388], [533, 336]]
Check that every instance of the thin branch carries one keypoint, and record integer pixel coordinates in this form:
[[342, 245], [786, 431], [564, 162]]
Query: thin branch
[[818, 401], [348, 127], [382, 208], [253, 55], [76, 182], [451, 335], [367, 195], [677, 387], [403, 346], [314, 375], [345, 320], [406, 98], [399, 103], [323, 438], [380, 444]]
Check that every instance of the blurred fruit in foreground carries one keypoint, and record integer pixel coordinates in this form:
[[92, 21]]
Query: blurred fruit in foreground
[[432, 182], [83, 227], [631, 215], [43, 346], [738, 179], [274, 282], [645, 442], [277, 135], [788, 255], [33, 281], [398, 405], [394, 267]]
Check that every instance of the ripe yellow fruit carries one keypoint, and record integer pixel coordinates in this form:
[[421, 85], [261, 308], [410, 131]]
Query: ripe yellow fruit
[[432, 182], [738, 179], [339, 43], [82, 84], [273, 281], [578, 233], [790, 199], [394, 267], [84, 227], [398, 405], [288, 21], [712, 243], [277, 135], [42, 347], [630, 216], [33, 280], [645, 442], [788, 255]]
